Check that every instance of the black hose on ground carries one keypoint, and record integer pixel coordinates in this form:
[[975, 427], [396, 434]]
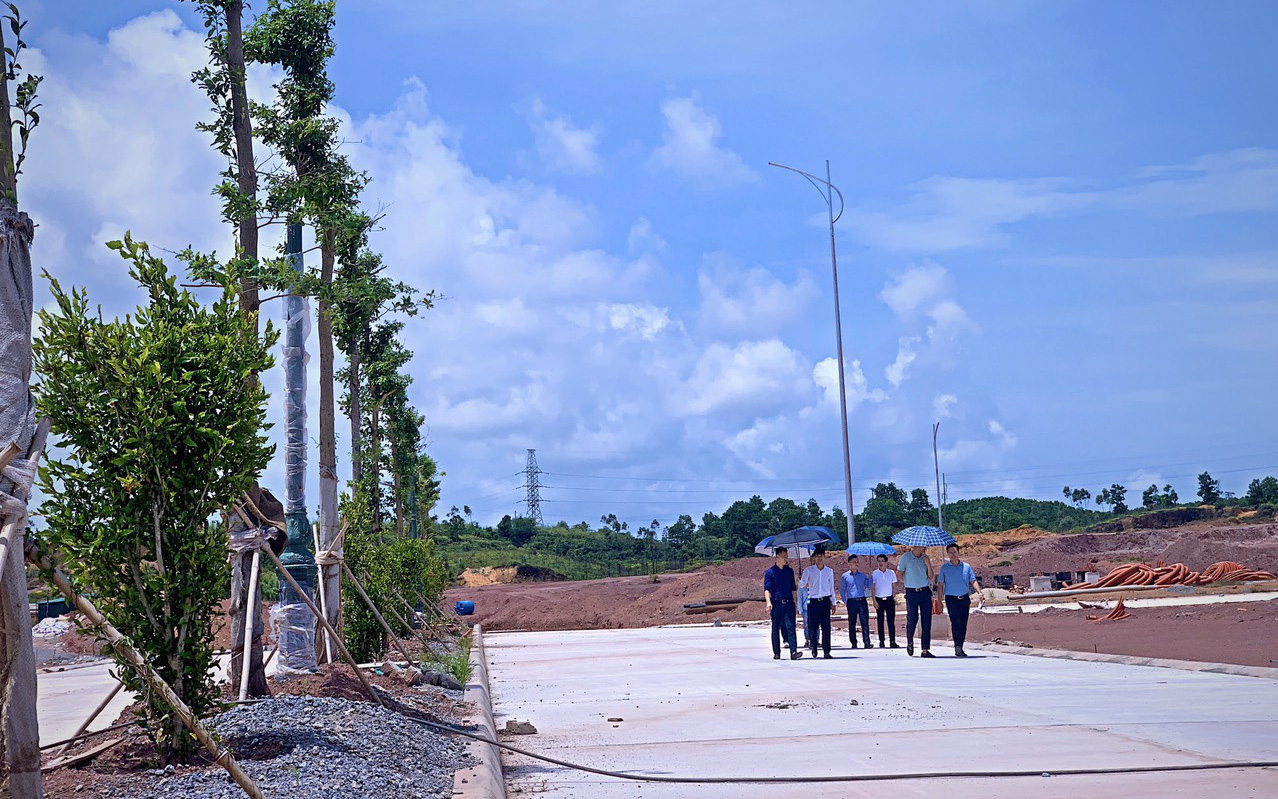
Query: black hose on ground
[[922, 775]]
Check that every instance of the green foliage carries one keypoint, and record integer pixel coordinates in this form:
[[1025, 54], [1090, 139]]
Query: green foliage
[[1262, 491], [1208, 489], [456, 661], [24, 102], [1115, 497], [406, 566], [1153, 498], [159, 429], [991, 514]]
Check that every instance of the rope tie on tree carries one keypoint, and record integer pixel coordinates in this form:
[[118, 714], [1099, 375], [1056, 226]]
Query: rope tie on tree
[[334, 555], [243, 542]]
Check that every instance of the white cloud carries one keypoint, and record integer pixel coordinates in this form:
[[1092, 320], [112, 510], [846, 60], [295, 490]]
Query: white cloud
[[753, 302], [690, 146], [563, 146], [643, 319], [922, 296], [943, 405], [826, 375], [945, 213], [897, 371], [756, 378]]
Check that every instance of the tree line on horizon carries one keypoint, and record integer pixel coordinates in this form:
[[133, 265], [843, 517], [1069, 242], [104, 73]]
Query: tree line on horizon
[[612, 546]]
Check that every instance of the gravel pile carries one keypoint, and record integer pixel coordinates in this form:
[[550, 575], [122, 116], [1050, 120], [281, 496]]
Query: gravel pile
[[298, 747]]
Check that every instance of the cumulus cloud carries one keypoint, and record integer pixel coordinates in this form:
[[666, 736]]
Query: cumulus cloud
[[563, 146], [643, 319], [690, 146], [739, 301], [754, 377], [826, 375], [922, 296], [943, 405]]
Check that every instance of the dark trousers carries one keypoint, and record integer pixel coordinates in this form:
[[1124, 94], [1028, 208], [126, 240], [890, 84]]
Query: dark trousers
[[885, 606], [918, 608], [960, 607], [859, 609], [819, 618], [783, 627]]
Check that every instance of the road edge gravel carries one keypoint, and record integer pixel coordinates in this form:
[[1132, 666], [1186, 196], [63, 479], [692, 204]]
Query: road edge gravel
[[1132, 660], [485, 779]]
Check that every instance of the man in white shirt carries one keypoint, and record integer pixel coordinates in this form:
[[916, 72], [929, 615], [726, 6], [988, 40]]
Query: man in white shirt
[[819, 580], [884, 578]]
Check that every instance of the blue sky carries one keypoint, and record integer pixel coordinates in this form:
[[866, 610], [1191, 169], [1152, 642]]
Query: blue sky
[[1060, 238]]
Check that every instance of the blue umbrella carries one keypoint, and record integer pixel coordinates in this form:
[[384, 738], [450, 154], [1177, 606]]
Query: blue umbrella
[[806, 537], [871, 548], [923, 536]]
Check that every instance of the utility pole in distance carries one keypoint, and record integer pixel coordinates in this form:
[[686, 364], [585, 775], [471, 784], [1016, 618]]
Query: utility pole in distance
[[936, 463]]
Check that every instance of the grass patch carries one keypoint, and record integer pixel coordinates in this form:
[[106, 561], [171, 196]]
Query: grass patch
[[456, 661]]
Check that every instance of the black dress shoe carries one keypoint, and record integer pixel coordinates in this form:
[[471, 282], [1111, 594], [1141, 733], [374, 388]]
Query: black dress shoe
[[854, 644], [895, 645], [828, 656], [777, 656], [959, 653], [795, 655], [926, 654], [909, 650]]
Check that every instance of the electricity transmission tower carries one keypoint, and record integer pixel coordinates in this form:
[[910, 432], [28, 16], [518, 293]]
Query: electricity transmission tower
[[532, 482]]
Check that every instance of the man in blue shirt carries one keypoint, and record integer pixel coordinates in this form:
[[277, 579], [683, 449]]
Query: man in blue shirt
[[855, 589], [915, 571], [778, 596], [957, 582]]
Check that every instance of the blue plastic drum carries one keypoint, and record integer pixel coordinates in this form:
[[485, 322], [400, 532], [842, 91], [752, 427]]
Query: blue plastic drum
[[464, 607]]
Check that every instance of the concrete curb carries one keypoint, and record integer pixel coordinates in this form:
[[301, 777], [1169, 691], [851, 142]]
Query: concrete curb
[[485, 780], [1131, 660]]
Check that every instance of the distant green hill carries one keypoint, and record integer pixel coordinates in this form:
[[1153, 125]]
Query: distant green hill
[[989, 514]]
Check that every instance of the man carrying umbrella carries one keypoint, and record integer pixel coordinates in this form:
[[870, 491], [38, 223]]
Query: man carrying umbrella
[[819, 580], [778, 595], [915, 571]]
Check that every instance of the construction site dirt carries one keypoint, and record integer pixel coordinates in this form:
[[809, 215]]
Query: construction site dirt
[[1234, 632]]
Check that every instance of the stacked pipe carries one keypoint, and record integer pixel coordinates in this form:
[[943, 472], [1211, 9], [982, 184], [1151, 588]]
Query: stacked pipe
[[1176, 574]]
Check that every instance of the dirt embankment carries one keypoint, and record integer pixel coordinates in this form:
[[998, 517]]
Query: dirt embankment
[[640, 602]]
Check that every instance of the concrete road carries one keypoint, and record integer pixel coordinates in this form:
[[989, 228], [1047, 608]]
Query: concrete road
[[67, 695], [709, 701]]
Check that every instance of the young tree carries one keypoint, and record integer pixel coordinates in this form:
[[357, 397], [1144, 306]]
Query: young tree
[[1118, 498], [1208, 489], [1150, 498], [1080, 496], [160, 428], [225, 82], [19, 732], [1262, 491]]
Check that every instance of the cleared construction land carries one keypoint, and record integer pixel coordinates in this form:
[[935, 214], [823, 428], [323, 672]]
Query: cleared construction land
[[710, 701], [1236, 632]]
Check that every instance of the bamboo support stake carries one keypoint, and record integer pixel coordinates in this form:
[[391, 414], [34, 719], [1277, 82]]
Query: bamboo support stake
[[319, 582], [421, 633], [254, 574], [221, 756], [341, 647], [97, 712], [395, 642]]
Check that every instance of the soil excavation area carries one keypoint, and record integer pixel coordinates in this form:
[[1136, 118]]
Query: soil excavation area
[[1240, 632]]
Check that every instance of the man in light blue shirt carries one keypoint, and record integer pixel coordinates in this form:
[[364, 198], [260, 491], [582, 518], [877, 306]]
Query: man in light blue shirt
[[915, 571], [855, 589], [957, 581]]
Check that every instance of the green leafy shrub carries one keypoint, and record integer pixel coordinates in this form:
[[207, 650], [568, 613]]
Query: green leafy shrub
[[159, 428], [388, 570]]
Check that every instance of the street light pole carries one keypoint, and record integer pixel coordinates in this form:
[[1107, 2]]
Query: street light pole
[[828, 194]]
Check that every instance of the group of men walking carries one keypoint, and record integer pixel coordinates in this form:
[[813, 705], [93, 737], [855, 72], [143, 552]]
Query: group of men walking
[[814, 595]]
